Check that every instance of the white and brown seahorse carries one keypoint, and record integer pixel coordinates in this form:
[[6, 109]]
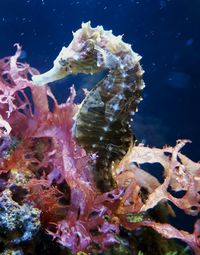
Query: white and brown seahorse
[[102, 124]]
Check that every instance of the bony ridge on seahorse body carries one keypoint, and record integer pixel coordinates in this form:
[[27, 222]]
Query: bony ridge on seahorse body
[[102, 124]]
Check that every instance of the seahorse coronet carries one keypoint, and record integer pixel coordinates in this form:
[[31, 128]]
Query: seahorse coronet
[[102, 123]]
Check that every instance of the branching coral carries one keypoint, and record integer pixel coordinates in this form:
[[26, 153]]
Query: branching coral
[[59, 166]]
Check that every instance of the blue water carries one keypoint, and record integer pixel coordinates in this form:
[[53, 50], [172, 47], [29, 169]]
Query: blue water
[[164, 32]]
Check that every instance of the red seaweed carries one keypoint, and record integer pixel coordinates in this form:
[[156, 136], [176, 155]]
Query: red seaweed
[[73, 210]]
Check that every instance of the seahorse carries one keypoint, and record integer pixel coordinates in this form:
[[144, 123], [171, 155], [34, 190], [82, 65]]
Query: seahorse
[[102, 123]]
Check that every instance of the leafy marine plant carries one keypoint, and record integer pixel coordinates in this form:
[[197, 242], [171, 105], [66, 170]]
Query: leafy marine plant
[[79, 164]]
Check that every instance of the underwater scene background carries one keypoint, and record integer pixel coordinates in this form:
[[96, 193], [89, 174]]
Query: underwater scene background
[[164, 32]]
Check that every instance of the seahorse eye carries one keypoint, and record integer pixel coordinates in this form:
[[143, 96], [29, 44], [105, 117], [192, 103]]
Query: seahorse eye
[[62, 62]]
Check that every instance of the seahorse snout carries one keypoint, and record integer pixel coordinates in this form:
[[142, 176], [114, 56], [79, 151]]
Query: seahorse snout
[[55, 73]]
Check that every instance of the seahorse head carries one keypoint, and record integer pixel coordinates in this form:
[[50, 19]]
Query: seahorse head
[[91, 50]]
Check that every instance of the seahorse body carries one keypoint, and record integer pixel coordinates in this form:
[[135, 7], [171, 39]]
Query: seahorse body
[[102, 124]]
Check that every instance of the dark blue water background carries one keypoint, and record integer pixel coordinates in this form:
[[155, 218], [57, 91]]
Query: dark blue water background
[[164, 32]]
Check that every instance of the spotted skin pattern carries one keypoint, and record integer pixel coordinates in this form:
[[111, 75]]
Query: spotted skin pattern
[[102, 123]]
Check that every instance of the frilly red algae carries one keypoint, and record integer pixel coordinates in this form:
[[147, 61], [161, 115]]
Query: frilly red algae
[[64, 154], [60, 169]]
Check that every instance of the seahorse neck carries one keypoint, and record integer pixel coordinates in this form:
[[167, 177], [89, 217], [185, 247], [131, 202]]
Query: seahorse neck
[[121, 88]]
